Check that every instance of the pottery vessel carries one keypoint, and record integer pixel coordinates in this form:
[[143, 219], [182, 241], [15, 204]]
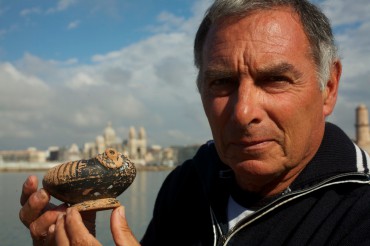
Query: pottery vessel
[[91, 184]]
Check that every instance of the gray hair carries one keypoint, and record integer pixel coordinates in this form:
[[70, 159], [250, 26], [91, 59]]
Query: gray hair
[[315, 24]]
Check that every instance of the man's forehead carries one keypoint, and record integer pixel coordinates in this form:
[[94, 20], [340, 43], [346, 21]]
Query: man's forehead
[[275, 21], [274, 30]]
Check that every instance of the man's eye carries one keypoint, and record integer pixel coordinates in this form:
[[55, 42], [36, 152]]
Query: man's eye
[[274, 83], [222, 87], [221, 82], [278, 82], [277, 79]]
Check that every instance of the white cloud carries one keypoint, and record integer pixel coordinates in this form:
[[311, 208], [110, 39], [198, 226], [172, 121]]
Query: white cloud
[[73, 24], [110, 8], [150, 83], [23, 100], [342, 12], [51, 71], [34, 10], [11, 74], [167, 22], [62, 5], [81, 80]]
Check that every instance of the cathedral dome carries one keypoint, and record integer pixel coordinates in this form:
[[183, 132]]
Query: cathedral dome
[[99, 140]]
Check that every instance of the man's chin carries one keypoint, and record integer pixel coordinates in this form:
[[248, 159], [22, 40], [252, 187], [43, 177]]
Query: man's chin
[[255, 168]]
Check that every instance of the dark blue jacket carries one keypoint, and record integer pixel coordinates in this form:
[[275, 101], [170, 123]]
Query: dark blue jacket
[[327, 204]]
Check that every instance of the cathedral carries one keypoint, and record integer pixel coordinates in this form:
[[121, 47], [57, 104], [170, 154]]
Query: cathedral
[[362, 128], [135, 147]]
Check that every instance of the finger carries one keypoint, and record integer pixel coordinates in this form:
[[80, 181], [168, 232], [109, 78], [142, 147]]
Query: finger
[[61, 237], [121, 232], [89, 218], [50, 238], [40, 227], [33, 206], [29, 187], [77, 233], [74, 222]]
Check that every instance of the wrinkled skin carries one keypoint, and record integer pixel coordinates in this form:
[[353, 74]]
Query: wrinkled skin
[[263, 101]]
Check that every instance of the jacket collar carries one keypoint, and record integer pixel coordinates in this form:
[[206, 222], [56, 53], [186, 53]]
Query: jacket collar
[[336, 155]]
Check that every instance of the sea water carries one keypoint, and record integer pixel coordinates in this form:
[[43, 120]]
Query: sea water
[[138, 200]]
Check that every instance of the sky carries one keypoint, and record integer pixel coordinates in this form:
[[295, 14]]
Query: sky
[[68, 67]]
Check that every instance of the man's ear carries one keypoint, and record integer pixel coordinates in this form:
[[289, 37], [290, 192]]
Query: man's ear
[[330, 91]]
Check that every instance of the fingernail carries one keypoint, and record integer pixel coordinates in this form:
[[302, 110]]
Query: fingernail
[[121, 211], [60, 216], [41, 194], [52, 228], [28, 181], [59, 219]]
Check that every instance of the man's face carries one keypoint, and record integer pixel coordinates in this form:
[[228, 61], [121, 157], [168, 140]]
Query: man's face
[[262, 98]]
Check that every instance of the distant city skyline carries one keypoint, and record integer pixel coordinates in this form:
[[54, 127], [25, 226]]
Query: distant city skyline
[[68, 67]]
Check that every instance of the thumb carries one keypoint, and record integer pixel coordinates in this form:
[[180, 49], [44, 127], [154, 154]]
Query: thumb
[[122, 234]]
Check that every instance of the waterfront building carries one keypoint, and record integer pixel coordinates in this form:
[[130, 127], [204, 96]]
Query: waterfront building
[[53, 153], [158, 156], [135, 147], [186, 152], [109, 139], [29, 155], [154, 155], [73, 153]]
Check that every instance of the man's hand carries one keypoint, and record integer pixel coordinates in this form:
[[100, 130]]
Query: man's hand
[[70, 230], [122, 234], [60, 225], [32, 214]]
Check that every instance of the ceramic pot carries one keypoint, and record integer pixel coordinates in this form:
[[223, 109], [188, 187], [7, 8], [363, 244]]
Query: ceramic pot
[[91, 184]]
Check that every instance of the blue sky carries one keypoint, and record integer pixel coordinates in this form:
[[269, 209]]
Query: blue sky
[[69, 67], [79, 29]]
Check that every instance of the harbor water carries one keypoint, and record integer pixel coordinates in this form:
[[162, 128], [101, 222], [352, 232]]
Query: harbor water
[[138, 200]]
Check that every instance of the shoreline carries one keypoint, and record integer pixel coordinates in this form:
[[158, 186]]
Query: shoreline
[[30, 167]]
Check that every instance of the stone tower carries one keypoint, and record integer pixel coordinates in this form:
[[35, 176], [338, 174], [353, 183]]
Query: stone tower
[[362, 126], [132, 144], [137, 145], [141, 143]]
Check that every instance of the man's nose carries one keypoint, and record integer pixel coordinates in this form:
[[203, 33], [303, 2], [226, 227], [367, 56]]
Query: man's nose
[[246, 104]]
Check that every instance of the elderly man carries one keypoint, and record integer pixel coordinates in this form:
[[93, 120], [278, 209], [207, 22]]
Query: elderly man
[[276, 172]]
